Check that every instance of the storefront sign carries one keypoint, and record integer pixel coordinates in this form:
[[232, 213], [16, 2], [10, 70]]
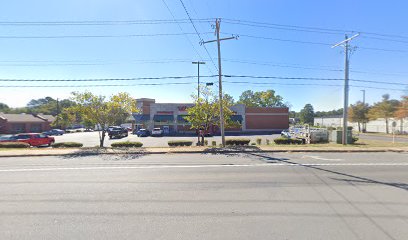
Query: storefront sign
[[165, 113]]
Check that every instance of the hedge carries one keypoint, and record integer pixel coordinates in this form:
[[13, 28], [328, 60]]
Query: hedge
[[14, 145], [237, 141], [127, 144], [176, 143], [67, 145], [288, 141]]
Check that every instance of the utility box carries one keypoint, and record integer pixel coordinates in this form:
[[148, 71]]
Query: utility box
[[336, 136]]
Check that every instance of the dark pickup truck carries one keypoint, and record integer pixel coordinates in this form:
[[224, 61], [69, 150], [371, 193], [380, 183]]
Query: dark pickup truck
[[117, 132]]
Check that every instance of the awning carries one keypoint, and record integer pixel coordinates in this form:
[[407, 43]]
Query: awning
[[236, 118], [141, 117], [163, 118], [181, 118]]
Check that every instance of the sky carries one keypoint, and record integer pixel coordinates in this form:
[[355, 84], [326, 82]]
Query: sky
[[277, 38]]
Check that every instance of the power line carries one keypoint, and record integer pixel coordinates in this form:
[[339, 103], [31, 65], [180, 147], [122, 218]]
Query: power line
[[309, 29], [104, 79], [313, 43], [198, 34], [96, 85], [306, 84], [101, 22], [100, 36], [204, 76], [192, 45], [313, 78]]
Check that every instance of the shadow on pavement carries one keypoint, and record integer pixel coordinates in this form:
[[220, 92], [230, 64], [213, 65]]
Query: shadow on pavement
[[108, 154], [354, 179]]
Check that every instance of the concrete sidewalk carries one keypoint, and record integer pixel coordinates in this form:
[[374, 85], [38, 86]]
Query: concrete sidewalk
[[96, 151]]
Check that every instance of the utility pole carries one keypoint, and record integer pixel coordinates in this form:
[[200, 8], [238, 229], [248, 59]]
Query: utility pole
[[346, 45], [198, 77], [217, 32], [364, 91]]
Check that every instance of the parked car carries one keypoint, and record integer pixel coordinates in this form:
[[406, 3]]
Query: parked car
[[157, 132], [6, 138], [142, 132], [117, 132], [54, 132], [34, 139], [285, 133]]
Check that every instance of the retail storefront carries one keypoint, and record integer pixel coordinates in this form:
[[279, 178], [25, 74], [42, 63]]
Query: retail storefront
[[171, 117]]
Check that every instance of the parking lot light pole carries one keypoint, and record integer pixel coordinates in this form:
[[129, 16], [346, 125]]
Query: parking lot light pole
[[198, 77]]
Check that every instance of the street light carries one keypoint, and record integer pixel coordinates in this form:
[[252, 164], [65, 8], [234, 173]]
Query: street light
[[198, 77]]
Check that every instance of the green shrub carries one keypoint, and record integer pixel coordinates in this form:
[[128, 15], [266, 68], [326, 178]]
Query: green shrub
[[67, 145], [14, 145], [287, 141], [214, 143], [253, 144], [259, 141], [268, 142], [205, 142], [237, 141], [126, 144], [176, 143]]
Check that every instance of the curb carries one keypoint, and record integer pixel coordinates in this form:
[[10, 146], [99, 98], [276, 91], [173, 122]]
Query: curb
[[211, 152]]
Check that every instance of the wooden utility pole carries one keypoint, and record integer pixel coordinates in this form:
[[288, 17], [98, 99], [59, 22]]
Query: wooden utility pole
[[218, 40], [345, 44]]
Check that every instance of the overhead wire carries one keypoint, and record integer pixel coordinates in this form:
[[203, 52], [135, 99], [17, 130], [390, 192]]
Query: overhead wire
[[181, 29], [198, 34]]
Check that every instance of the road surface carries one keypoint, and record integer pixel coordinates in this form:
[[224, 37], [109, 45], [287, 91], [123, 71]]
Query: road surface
[[91, 139], [206, 196]]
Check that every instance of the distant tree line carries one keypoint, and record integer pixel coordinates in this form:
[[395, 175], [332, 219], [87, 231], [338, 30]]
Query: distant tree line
[[361, 113]]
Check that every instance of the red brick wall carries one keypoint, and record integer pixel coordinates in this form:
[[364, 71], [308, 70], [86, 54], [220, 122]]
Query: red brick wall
[[8, 126], [266, 118]]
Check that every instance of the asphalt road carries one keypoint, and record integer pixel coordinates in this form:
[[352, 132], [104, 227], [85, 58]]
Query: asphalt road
[[382, 138], [91, 139], [205, 196]]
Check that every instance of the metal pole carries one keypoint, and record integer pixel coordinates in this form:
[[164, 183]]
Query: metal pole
[[346, 92], [198, 81], [198, 77], [217, 25]]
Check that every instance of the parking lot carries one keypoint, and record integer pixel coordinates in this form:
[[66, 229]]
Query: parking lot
[[91, 139]]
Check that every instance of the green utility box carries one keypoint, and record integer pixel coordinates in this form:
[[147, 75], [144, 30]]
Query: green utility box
[[336, 136]]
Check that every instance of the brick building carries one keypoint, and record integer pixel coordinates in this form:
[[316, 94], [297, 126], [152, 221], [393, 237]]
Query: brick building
[[170, 117], [21, 123]]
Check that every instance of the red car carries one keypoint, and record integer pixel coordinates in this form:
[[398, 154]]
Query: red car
[[34, 139]]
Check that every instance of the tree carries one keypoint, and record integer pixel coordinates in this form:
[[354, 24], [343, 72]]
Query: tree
[[101, 111], [64, 119], [307, 114], [4, 108], [229, 99], [402, 111], [384, 109], [266, 98], [358, 113], [206, 112], [48, 105]]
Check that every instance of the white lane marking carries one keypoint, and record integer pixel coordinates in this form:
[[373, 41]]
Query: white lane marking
[[202, 166], [321, 158]]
